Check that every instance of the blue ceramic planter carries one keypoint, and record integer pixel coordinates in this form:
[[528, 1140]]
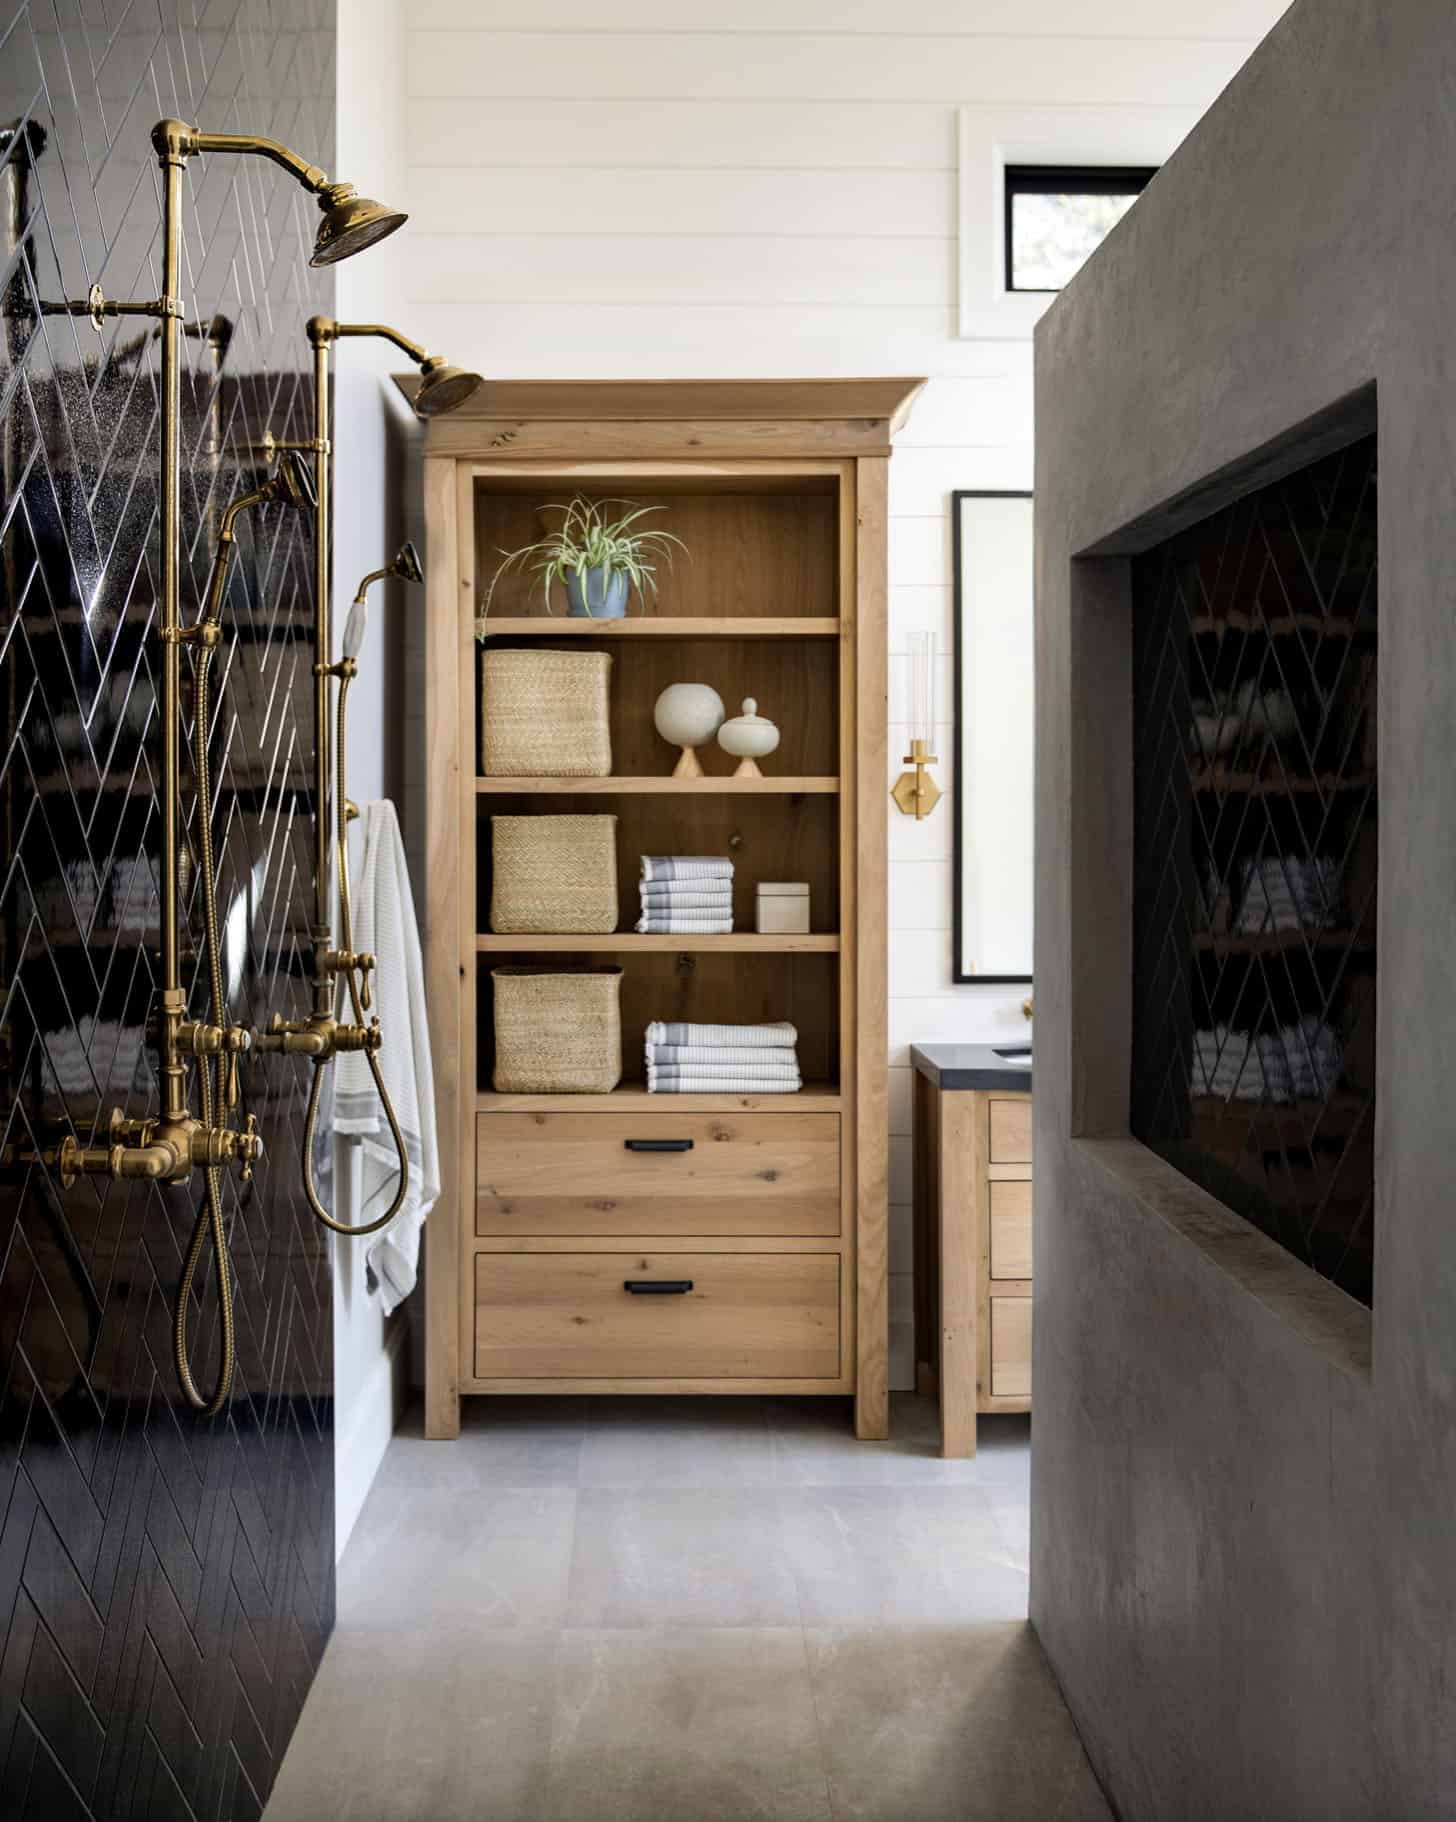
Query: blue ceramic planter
[[605, 597]]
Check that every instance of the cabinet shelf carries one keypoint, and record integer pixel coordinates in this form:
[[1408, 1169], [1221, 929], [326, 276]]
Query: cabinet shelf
[[647, 626], [627, 942], [656, 787]]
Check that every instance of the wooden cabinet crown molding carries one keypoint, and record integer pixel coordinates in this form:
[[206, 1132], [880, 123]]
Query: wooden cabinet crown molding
[[747, 417]]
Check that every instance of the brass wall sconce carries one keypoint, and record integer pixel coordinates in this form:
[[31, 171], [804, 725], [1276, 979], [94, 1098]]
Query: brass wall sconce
[[168, 1148], [915, 792]]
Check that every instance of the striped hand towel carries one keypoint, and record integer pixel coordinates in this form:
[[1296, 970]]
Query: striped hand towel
[[685, 866], [680, 1082], [684, 1056], [685, 923], [685, 898], [681, 1031]]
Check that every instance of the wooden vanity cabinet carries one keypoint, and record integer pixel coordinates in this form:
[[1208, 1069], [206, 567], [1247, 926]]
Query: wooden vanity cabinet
[[973, 1250]]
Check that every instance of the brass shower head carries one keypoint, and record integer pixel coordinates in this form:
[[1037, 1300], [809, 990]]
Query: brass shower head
[[350, 224], [442, 387], [407, 565]]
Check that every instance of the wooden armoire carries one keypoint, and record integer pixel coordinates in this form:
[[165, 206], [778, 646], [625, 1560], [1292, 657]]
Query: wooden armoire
[[773, 1208]]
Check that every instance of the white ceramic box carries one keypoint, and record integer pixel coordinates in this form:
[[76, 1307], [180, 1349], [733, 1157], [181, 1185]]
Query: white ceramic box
[[783, 908]]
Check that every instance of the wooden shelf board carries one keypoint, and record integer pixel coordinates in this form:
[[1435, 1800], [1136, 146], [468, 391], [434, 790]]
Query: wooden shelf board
[[813, 1097], [627, 942], [649, 626], [656, 787]]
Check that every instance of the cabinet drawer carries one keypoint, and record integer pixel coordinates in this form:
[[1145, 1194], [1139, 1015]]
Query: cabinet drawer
[[1011, 1347], [1010, 1130], [1010, 1230], [569, 1316], [762, 1174]]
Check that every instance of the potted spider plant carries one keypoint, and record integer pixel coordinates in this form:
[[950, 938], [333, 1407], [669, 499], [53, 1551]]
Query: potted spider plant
[[597, 557]]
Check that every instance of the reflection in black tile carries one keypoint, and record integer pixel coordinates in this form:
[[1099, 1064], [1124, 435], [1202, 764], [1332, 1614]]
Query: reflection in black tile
[[166, 1585]]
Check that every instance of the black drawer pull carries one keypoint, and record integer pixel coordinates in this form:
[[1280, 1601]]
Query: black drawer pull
[[657, 1287], [657, 1144]]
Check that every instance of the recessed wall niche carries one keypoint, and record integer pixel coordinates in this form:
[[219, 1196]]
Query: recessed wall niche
[[1255, 646]]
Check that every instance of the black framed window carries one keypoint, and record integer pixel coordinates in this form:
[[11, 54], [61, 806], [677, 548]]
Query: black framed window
[[1058, 215]]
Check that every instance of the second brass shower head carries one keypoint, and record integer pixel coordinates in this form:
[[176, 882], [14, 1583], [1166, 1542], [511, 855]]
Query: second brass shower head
[[443, 387]]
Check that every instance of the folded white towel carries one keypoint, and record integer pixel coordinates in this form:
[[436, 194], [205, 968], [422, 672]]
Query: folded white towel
[[687, 898], [686, 866], [678, 1031], [755, 1055], [686, 923], [684, 1083], [762, 1072]]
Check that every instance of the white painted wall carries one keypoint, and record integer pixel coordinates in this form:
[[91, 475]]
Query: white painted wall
[[732, 187], [368, 1358], [741, 187]]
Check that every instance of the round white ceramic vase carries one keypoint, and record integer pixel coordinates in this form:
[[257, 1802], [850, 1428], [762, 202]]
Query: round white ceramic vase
[[686, 715]]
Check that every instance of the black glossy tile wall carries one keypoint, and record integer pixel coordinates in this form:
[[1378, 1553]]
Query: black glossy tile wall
[[166, 1583]]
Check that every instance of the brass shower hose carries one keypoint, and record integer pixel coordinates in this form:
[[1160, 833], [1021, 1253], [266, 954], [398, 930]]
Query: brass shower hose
[[209, 1223], [360, 1004]]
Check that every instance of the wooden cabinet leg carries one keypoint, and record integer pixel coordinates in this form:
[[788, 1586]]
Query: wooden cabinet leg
[[957, 1228]]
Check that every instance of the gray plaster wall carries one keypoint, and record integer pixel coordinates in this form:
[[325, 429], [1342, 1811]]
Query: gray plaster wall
[[1244, 1484]]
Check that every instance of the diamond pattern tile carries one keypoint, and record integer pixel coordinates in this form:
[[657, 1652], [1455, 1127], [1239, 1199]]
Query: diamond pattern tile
[[1255, 648], [166, 1584]]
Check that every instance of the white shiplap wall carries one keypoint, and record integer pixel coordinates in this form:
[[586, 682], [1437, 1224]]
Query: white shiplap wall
[[768, 187]]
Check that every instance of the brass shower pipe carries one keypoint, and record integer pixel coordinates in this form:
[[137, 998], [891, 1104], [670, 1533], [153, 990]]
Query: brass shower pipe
[[169, 1147], [322, 1036]]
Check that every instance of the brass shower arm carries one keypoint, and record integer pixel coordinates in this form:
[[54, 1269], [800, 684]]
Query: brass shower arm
[[375, 575], [189, 140], [325, 329]]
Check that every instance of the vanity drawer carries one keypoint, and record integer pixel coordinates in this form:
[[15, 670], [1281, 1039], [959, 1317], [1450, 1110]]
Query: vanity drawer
[[1010, 1229], [570, 1316], [1010, 1130], [770, 1175], [1011, 1347]]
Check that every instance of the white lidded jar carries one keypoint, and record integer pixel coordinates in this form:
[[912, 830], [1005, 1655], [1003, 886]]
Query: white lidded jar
[[748, 737]]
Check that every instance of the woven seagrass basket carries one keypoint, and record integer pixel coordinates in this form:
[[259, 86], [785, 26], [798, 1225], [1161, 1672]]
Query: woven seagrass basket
[[557, 1033], [544, 714], [553, 874]]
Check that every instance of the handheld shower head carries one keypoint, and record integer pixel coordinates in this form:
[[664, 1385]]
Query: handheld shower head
[[293, 481], [406, 566], [350, 224], [442, 387]]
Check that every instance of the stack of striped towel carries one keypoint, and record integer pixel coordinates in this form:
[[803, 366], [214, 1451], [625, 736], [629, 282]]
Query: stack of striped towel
[[686, 895], [722, 1059]]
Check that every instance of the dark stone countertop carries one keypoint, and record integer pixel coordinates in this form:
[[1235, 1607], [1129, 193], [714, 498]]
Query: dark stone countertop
[[972, 1066]]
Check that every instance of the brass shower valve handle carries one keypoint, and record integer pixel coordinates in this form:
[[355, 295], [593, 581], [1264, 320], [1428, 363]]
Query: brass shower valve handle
[[159, 1152], [340, 961], [319, 1038], [367, 1038], [203, 1040]]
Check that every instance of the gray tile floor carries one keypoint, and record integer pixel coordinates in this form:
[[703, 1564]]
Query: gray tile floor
[[688, 1610]]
